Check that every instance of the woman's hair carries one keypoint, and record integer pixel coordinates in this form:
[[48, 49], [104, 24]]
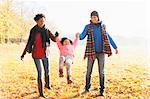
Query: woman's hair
[[63, 39], [39, 16]]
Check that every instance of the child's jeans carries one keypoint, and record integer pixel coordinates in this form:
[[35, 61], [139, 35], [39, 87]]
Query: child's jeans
[[66, 60]]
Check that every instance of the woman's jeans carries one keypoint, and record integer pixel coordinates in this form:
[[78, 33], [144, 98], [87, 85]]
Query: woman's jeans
[[38, 63]]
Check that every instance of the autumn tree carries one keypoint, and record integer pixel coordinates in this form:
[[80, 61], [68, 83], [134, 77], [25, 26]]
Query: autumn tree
[[13, 25]]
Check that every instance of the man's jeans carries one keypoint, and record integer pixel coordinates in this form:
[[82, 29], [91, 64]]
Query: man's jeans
[[101, 59]]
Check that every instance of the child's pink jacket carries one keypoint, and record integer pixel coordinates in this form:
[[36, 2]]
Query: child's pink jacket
[[67, 49]]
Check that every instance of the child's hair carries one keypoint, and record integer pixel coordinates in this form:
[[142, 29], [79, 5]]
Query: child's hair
[[39, 16], [63, 39]]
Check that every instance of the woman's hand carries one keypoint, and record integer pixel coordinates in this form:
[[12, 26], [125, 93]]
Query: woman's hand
[[22, 56], [56, 34]]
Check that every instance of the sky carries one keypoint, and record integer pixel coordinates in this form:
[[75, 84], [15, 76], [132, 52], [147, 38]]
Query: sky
[[127, 18]]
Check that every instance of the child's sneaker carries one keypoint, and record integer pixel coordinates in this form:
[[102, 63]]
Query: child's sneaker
[[61, 73], [69, 81]]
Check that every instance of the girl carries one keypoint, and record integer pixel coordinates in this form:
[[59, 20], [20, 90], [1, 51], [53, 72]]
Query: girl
[[66, 47]]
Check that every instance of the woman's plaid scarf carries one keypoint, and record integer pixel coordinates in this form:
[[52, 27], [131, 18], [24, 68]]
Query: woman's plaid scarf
[[90, 48]]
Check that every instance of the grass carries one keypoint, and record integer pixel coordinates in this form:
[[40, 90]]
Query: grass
[[126, 77]]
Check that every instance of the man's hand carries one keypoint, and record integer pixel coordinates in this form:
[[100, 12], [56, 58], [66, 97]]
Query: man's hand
[[116, 51], [77, 35]]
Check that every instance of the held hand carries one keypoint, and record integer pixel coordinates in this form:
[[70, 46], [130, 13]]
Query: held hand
[[116, 51], [77, 35], [57, 38]]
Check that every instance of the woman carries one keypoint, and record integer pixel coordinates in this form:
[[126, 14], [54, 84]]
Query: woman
[[37, 44]]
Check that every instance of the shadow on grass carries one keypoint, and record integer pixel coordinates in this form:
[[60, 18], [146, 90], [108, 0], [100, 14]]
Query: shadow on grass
[[83, 93]]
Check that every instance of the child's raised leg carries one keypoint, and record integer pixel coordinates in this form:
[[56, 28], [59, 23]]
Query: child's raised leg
[[61, 65], [68, 62]]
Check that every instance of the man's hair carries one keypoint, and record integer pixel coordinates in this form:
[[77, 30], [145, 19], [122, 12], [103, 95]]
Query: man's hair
[[39, 16], [63, 39]]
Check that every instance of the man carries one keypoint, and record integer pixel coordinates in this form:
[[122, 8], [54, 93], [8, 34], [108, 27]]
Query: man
[[98, 44]]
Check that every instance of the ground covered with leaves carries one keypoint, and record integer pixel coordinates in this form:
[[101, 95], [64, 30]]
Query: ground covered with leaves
[[126, 77]]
